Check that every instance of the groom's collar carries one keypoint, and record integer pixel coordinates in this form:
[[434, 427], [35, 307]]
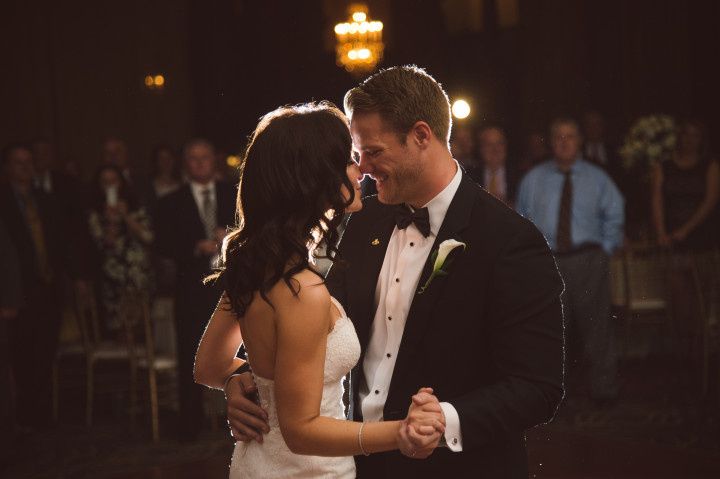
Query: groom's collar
[[438, 206]]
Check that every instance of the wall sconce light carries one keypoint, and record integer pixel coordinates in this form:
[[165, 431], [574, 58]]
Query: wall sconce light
[[154, 82]]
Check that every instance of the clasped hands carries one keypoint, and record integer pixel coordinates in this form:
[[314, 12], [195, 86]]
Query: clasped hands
[[424, 426], [418, 436]]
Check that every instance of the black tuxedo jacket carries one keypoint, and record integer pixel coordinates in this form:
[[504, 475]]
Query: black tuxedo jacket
[[488, 337], [180, 227]]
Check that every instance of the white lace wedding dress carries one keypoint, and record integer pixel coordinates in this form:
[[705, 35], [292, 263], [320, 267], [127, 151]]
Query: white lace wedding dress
[[272, 458]]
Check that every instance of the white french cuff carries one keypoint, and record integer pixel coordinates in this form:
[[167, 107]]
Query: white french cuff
[[453, 434]]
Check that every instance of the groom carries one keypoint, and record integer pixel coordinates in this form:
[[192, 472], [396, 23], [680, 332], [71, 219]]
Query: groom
[[482, 326]]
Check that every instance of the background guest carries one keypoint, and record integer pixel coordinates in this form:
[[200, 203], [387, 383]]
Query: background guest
[[597, 149], [166, 175], [536, 152], [685, 191], [120, 229], [579, 209], [192, 222], [10, 296], [462, 147], [496, 176], [34, 225], [68, 195], [115, 153], [48, 177]]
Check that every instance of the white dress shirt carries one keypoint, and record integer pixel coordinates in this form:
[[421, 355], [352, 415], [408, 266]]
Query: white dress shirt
[[197, 191], [44, 182], [405, 258]]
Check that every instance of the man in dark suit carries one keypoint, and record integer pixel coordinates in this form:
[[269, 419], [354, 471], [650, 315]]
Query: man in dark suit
[[115, 153], [447, 288], [192, 222], [68, 195], [495, 174], [597, 149], [10, 296], [34, 224]]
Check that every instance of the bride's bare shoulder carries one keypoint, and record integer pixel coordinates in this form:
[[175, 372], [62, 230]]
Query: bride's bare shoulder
[[306, 289]]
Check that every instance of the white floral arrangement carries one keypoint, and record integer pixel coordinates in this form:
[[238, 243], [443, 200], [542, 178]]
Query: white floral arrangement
[[651, 139]]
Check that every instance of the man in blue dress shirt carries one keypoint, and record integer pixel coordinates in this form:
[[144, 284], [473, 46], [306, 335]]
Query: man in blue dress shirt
[[580, 211]]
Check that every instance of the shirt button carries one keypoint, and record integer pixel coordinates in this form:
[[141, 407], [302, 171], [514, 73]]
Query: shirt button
[[388, 354], [412, 244], [378, 392], [389, 318], [454, 441], [397, 280]]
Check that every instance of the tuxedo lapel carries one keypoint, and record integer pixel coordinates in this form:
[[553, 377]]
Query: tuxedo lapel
[[362, 289], [456, 219]]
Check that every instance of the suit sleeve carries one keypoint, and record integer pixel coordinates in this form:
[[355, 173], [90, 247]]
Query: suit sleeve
[[10, 281], [526, 346], [165, 244]]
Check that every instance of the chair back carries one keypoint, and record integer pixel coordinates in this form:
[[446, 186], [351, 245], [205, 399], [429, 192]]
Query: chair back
[[645, 279], [137, 325], [86, 313]]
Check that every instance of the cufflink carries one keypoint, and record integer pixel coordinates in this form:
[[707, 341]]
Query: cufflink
[[375, 242]]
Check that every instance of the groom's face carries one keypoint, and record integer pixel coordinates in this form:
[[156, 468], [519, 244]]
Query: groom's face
[[391, 163]]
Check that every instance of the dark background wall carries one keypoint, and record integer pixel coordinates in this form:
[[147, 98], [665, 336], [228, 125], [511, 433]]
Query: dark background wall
[[74, 70]]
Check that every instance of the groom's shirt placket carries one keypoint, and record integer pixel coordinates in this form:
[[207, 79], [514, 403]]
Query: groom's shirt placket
[[397, 284]]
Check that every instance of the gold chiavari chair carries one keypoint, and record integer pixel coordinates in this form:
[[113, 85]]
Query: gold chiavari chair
[[137, 348], [644, 284]]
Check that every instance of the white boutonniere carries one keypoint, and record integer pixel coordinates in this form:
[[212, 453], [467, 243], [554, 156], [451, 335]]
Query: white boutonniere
[[439, 257]]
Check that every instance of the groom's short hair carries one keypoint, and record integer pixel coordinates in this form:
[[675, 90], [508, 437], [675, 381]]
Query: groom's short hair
[[403, 96]]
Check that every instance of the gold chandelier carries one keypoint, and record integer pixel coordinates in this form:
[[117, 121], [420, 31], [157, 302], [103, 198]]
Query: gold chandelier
[[359, 45]]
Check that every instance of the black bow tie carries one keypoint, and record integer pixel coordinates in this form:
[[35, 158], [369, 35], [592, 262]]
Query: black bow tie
[[404, 216]]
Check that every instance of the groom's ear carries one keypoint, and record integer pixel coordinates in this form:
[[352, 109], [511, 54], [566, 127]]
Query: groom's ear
[[421, 134]]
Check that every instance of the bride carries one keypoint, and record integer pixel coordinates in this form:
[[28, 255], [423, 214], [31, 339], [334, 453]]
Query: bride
[[298, 180]]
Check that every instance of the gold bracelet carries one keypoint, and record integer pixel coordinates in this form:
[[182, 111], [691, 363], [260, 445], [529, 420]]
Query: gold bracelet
[[362, 449]]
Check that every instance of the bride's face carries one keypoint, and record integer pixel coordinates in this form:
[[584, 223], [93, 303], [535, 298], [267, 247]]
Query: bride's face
[[354, 175]]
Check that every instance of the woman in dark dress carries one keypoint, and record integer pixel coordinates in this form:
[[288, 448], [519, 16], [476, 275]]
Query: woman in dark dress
[[685, 195]]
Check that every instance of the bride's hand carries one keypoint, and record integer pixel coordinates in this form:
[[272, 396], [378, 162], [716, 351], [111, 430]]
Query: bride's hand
[[424, 426]]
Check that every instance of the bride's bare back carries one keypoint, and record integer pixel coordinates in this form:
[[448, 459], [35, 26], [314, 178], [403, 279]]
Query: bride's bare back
[[259, 325]]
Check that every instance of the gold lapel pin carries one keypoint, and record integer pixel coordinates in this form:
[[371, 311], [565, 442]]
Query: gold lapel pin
[[375, 242]]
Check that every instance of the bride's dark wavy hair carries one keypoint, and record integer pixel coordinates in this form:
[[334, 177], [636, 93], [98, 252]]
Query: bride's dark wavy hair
[[289, 198]]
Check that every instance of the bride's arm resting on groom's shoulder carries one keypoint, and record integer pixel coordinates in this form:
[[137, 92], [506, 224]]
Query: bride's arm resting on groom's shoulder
[[303, 322]]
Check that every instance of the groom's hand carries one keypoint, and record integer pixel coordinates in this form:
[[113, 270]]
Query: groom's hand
[[247, 420]]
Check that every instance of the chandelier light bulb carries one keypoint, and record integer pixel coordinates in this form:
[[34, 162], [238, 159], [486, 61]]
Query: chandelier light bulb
[[359, 46]]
